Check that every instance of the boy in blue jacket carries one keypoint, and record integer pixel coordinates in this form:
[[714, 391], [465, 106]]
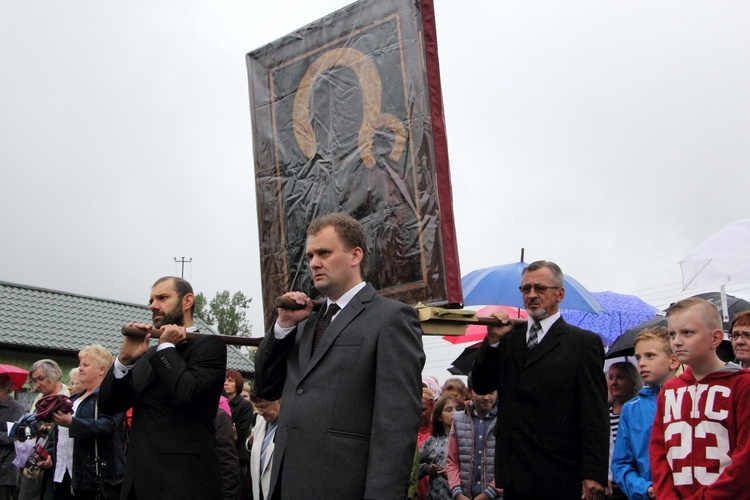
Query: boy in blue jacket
[[630, 460]]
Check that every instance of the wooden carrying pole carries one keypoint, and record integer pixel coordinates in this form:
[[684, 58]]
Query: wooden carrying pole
[[443, 321], [435, 320], [130, 331], [293, 306]]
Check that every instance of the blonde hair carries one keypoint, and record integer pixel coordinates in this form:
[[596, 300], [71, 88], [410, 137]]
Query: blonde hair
[[659, 334], [631, 373], [708, 312], [98, 354]]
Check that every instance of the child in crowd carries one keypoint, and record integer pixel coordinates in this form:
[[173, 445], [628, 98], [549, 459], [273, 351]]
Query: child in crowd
[[471, 449], [455, 386], [630, 461], [700, 443], [434, 450]]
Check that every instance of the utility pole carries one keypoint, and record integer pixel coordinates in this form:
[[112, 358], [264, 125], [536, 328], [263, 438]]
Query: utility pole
[[182, 261]]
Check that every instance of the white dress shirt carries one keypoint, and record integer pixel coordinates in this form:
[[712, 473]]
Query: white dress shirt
[[121, 370], [281, 333]]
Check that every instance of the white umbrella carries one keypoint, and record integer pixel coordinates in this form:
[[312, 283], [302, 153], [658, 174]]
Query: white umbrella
[[722, 259]]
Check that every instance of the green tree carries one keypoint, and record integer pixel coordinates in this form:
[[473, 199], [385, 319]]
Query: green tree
[[200, 307], [228, 313]]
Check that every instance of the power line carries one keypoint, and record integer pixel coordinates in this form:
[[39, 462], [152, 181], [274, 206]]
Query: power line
[[183, 261]]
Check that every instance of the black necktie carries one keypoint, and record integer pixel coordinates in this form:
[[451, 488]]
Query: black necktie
[[320, 328]]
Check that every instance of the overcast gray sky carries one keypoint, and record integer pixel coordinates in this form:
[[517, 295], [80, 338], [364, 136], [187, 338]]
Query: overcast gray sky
[[610, 137]]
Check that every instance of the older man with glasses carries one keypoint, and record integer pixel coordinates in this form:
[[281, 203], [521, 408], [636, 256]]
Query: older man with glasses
[[552, 420]]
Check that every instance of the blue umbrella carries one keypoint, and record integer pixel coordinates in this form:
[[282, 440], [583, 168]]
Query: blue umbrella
[[499, 286], [621, 313]]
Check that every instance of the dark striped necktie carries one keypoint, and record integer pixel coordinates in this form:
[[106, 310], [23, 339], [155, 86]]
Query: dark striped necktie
[[320, 328]]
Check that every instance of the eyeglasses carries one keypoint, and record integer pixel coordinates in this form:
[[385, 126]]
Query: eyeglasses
[[39, 380], [537, 288], [736, 336]]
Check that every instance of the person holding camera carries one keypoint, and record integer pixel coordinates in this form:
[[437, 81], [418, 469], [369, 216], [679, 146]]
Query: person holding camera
[[34, 483], [98, 439]]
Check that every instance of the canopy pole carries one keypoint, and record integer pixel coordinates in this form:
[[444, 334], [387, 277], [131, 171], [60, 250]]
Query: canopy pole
[[724, 308]]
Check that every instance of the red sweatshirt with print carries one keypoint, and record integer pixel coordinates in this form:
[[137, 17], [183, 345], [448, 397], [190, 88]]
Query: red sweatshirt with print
[[700, 442]]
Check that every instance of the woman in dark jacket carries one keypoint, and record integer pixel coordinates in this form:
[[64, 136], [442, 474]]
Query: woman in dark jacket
[[242, 417], [98, 438]]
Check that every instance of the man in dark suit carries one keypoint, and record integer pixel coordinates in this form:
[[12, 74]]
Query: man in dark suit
[[351, 400], [552, 420], [174, 391]]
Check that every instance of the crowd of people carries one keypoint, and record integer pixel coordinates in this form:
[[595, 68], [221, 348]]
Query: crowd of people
[[83, 452], [167, 421], [339, 408], [677, 417]]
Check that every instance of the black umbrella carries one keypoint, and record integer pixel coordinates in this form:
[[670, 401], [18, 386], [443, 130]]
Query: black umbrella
[[623, 345], [734, 305], [463, 363]]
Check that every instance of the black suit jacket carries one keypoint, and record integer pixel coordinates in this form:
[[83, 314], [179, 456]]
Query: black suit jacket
[[242, 418], [552, 419], [174, 394], [350, 412]]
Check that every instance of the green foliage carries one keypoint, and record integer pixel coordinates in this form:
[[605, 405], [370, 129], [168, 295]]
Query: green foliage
[[228, 313], [200, 307]]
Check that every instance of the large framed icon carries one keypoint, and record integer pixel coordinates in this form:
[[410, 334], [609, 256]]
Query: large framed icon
[[347, 117]]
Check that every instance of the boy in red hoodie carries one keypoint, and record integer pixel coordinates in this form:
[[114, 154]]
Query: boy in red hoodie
[[700, 443]]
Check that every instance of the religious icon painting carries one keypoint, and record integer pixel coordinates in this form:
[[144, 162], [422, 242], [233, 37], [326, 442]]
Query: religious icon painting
[[347, 117]]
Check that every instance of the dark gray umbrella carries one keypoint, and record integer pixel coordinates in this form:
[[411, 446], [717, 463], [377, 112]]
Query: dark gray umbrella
[[463, 363], [734, 305], [624, 344]]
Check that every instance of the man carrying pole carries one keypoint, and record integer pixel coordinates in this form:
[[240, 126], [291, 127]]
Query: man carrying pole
[[174, 391], [349, 378]]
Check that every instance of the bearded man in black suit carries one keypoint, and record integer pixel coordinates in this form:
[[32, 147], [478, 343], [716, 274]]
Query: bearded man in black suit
[[552, 419], [174, 391]]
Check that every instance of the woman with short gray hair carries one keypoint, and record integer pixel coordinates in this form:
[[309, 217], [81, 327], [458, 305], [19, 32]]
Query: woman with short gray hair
[[50, 368], [45, 376]]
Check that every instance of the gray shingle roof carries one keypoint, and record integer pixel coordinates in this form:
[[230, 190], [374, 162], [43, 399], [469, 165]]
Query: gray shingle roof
[[36, 319]]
